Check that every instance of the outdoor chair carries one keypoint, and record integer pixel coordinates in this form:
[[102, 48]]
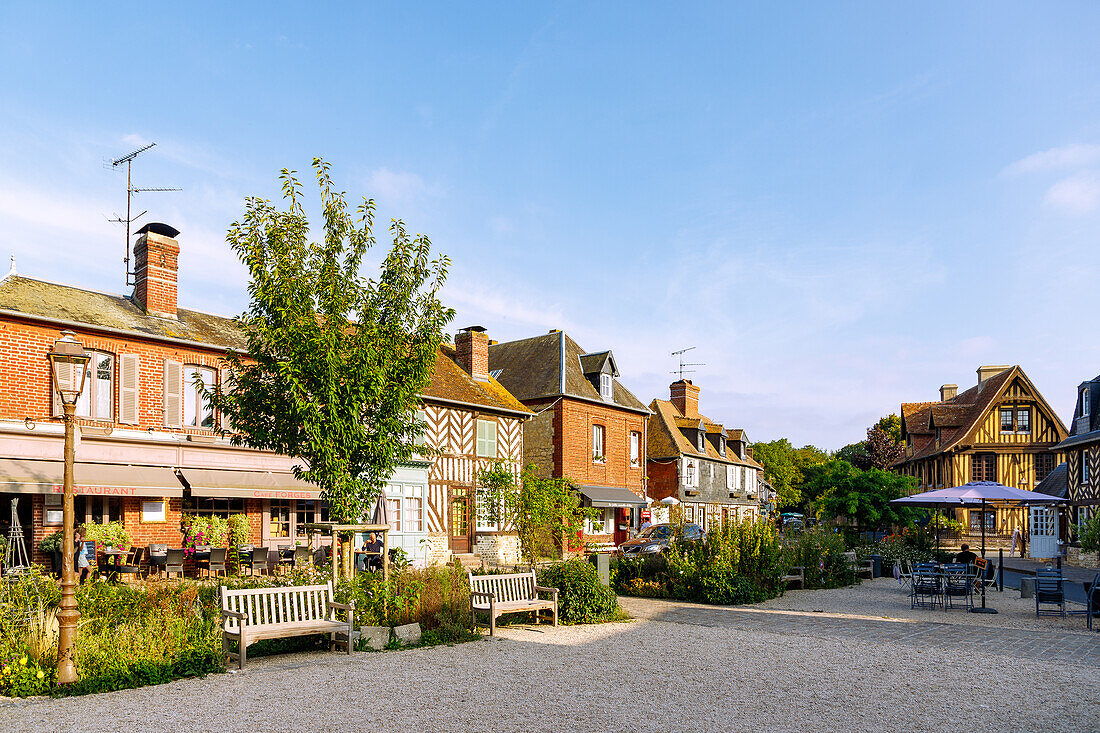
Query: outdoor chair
[[214, 562], [957, 582], [286, 558], [132, 566], [1092, 600], [257, 560], [924, 588], [243, 555], [303, 557], [1050, 592], [173, 562], [158, 555], [905, 573], [989, 579]]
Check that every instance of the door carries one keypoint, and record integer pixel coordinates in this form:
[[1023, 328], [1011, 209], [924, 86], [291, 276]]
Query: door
[[1044, 532], [459, 507]]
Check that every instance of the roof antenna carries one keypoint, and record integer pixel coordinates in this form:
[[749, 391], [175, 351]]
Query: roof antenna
[[128, 159], [681, 371]]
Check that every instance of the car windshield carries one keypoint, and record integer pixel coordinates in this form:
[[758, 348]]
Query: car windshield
[[656, 532]]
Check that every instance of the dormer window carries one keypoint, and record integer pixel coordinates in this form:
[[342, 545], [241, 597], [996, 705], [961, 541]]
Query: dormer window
[[606, 386], [701, 443], [1084, 401]]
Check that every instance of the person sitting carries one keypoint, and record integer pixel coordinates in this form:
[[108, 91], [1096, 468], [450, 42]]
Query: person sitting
[[373, 548], [965, 555]]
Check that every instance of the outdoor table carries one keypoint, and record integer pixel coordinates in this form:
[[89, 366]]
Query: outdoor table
[[112, 559], [366, 557]]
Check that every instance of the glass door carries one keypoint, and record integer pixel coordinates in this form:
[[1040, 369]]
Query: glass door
[[460, 519]]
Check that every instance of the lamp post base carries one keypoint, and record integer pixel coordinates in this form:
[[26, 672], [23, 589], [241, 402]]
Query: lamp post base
[[983, 610]]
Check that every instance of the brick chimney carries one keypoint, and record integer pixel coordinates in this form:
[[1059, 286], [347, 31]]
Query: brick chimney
[[472, 351], [985, 372], [156, 261], [685, 396], [948, 392]]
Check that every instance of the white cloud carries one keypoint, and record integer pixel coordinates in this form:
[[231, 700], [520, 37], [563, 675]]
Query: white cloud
[[394, 187], [1066, 157], [1079, 194]]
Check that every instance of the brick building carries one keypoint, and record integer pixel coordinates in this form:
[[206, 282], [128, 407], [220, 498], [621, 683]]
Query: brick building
[[587, 425], [698, 462]]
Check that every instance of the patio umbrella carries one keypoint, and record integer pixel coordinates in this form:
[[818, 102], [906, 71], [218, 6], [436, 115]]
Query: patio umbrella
[[976, 493], [381, 512]]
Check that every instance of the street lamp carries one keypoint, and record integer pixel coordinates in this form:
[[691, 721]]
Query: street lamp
[[68, 370]]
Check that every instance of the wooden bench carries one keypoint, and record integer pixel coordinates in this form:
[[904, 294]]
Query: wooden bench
[[498, 595], [253, 614], [797, 575], [860, 568]]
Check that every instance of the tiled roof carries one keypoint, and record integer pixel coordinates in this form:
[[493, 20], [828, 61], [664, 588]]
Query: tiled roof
[[665, 440], [735, 434], [452, 382], [550, 366], [114, 312]]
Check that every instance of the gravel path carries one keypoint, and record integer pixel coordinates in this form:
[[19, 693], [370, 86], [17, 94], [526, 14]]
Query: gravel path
[[710, 669]]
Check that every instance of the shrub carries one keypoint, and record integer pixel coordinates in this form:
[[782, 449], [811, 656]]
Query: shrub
[[51, 543], [821, 553], [205, 529], [109, 533], [722, 585], [582, 599], [1089, 534], [21, 676]]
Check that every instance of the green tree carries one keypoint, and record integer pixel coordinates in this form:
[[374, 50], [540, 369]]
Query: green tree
[[543, 511], [881, 449], [863, 497], [784, 466], [336, 362]]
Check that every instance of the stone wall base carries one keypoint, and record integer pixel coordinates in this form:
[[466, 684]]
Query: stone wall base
[[498, 549], [1079, 559]]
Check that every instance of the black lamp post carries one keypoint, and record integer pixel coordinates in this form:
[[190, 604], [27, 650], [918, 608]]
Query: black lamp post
[[68, 369]]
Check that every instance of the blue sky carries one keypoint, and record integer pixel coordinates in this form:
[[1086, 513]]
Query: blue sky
[[842, 206]]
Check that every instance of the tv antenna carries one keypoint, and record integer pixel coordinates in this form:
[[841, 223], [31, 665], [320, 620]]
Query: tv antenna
[[681, 371], [128, 159]]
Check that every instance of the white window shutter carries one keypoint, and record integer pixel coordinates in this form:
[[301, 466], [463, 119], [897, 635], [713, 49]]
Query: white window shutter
[[173, 393], [225, 381], [67, 377], [128, 365]]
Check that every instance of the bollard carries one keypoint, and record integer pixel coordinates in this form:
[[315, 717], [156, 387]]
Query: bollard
[[1059, 559], [1001, 570]]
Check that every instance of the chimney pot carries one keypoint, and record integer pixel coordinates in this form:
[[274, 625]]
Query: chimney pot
[[685, 397], [985, 372], [948, 392], [472, 352], [156, 266]]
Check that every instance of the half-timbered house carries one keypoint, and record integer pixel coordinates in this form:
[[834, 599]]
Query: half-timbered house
[[1001, 429], [1082, 451]]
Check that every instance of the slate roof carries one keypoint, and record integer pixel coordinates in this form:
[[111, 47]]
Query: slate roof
[[115, 312], [1056, 482], [665, 440], [550, 366], [956, 417], [1085, 429], [450, 382]]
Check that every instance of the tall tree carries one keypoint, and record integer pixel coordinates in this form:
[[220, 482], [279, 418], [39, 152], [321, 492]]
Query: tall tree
[[336, 361], [882, 447], [784, 465], [843, 490]]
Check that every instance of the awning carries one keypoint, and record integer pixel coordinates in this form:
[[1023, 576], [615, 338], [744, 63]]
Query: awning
[[224, 484], [22, 476], [610, 496]]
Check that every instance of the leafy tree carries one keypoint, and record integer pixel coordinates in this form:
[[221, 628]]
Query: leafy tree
[[881, 449], [856, 454], [863, 497], [784, 466], [543, 511], [336, 362]]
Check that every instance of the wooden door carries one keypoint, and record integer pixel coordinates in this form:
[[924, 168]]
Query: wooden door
[[459, 508]]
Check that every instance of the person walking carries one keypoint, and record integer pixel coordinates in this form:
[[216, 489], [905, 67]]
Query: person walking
[[1017, 539]]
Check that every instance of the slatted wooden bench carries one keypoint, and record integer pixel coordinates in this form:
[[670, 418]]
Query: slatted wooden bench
[[253, 614], [797, 574], [860, 567], [498, 595]]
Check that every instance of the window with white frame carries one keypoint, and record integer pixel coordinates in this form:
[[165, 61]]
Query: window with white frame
[[393, 508], [1023, 420], [484, 511], [602, 523], [414, 514], [54, 510], [153, 511], [691, 472], [98, 398], [729, 477], [1084, 401], [486, 439], [1006, 420], [635, 449], [700, 441], [598, 453], [197, 410], [606, 387]]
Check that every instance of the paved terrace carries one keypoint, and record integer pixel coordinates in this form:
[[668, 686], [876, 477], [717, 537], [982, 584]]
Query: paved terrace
[[851, 659]]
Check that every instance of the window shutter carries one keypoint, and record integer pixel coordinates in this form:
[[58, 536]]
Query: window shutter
[[173, 393], [128, 389], [67, 375], [225, 382]]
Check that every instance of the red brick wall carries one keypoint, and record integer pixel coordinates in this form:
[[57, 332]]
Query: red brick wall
[[472, 353], [155, 271], [573, 445], [663, 479]]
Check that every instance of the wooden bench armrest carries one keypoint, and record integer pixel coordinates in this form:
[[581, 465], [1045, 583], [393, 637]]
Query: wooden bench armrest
[[544, 589], [342, 606], [235, 614], [482, 594]]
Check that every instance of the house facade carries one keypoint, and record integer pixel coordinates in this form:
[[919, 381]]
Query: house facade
[[1001, 429], [693, 459], [587, 427], [150, 448], [1082, 453]]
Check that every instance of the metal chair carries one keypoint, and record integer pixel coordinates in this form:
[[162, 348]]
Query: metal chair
[[1092, 600], [132, 566], [1049, 591], [214, 562], [158, 555], [924, 587], [258, 560], [303, 557], [905, 573], [988, 579], [957, 582], [173, 562]]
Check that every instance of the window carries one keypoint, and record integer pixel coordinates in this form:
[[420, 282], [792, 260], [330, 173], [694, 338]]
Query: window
[[983, 467], [484, 512], [486, 439], [744, 474], [98, 398], [976, 521], [598, 455], [1044, 464], [414, 514], [1006, 420], [689, 513], [691, 477], [393, 507], [635, 448], [606, 387], [602, 523], [1084, 401], [98, 509], [700, 441], [280, 519], [217, 507], [307, 511], [1085, 467], [729, 477], [1023, 420], [153, 511], [197, 410], [939, 434], [54, 510]]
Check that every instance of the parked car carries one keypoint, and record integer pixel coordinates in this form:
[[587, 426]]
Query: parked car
[[656, 538]]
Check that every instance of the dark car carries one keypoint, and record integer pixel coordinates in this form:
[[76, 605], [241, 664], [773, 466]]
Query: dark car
[[655, 539]]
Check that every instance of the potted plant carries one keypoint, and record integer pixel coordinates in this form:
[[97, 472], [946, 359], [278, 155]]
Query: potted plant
[[51, 545]]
